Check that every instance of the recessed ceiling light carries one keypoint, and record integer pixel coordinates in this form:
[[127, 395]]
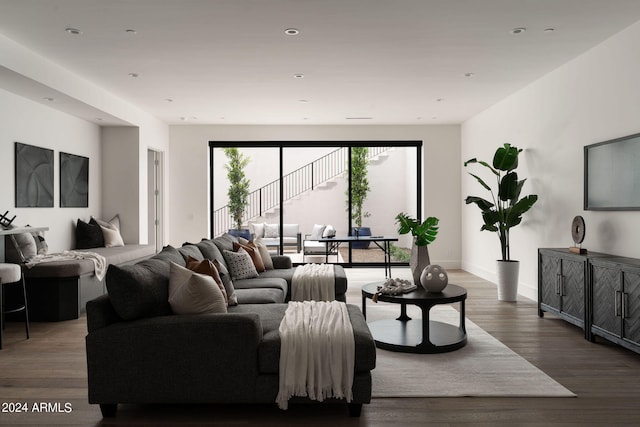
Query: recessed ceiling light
[[298, 76], [47, 98], [549, 30], [134, 75], [131, 31], [73, 31], [358, 118], [469, 74], [169, 100], [518, 30], [292, 31], [99, 119], [303, 101], [439, 99]]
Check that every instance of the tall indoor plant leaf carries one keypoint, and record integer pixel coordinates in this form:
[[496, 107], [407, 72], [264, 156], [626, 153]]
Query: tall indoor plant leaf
[[506, 208]]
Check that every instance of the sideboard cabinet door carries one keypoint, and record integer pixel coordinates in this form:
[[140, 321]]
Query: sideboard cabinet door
[[561, 285], [615, 300]]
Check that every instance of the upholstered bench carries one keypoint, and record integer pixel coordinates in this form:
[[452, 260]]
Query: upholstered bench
[[59, 290]]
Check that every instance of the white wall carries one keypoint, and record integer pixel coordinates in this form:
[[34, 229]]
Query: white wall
[[34, 124], [189, 172], [590, 99]]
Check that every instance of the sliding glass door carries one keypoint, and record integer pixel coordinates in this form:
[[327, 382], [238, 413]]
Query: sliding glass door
[[305, 191]]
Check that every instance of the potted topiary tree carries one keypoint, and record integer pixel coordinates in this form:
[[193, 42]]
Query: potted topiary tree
[[503, 212], [238, 190], [423, 234], [359, 192]]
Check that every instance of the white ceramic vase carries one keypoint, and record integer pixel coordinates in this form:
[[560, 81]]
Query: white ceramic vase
[[434, 278], [508, 272]]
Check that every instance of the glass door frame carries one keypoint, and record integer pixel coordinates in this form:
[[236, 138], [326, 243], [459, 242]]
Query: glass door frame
[[282, 145]]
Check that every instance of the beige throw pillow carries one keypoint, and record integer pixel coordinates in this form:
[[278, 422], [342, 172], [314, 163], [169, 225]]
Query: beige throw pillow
[[194, 293]]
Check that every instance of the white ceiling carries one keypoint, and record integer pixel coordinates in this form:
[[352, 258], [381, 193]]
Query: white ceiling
[[364, 61]]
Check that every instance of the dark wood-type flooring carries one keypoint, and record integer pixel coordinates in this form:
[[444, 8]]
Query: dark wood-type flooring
[[50, 368]]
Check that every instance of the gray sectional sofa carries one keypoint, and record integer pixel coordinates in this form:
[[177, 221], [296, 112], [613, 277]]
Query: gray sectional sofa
[[139, 352]]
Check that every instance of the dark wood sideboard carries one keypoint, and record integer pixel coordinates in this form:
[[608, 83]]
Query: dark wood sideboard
[[597, 292]]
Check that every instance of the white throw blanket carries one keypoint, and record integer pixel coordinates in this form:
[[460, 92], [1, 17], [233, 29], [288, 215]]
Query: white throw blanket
[[99, 262], [313, 282], [317, 352]]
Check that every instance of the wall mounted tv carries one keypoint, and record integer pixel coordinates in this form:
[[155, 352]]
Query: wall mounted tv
[[612, 174]]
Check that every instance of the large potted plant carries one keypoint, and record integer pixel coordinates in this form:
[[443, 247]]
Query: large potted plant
[[238, 189], [359, 192], [503, 212], [423, 234]]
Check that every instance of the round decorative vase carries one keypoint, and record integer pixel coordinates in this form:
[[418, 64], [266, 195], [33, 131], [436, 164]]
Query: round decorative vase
[[507, 272], [434, 278], [360, 232]]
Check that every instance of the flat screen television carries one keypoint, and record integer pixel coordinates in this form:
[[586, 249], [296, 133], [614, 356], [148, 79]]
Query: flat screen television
[[612, 174]]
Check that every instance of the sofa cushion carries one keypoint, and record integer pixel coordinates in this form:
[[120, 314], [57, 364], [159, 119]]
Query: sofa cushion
[[194, 293], [227, 282], [264, 254], [207, 267], [23, 247], [89, 235], [240, 264], [210, 250], [189, 250], [316, 232], [257, 229], [271, 230], [269, 351], [142, 290], [253, 252], [111, 232], [225, 242], [260, 296]]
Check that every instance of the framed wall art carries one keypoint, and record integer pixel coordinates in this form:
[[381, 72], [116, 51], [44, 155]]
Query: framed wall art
[[74, 181], [34, 176]]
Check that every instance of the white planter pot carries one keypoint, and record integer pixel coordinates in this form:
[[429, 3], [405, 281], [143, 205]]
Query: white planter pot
[[508, 280]]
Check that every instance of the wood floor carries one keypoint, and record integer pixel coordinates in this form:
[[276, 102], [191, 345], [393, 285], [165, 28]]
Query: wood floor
[[50, 369]]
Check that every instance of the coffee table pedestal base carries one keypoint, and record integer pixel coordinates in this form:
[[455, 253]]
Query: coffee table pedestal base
[[406, 336]]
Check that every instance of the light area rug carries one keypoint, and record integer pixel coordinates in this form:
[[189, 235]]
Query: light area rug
[[484, 367]]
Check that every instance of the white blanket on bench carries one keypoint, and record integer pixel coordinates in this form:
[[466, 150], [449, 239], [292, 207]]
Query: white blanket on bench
[[313, 282], [99, 262], [317, 352]]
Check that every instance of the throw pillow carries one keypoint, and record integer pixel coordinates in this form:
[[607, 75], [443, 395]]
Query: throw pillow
[[271, 230], [264, 254], [329, 231], [226, 281], [240, 265], [257, 228], [139, 290], [24, 246], [41, 243], [89, 235], [194, 293], [207, 267], [317, 231], [111, 232], [253, 252]]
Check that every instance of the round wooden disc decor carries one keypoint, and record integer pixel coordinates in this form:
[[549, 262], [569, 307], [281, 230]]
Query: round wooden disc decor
[[577, 229]]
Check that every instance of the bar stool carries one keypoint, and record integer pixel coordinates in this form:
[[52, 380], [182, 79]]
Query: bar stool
[[12, 273]]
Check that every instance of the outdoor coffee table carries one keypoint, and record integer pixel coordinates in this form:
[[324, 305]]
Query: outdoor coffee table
[[408, 335]]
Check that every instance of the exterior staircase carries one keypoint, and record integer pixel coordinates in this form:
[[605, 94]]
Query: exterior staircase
[[313, 175]]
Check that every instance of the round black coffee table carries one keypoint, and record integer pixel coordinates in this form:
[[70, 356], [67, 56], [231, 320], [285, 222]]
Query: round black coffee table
[[417, 335]]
